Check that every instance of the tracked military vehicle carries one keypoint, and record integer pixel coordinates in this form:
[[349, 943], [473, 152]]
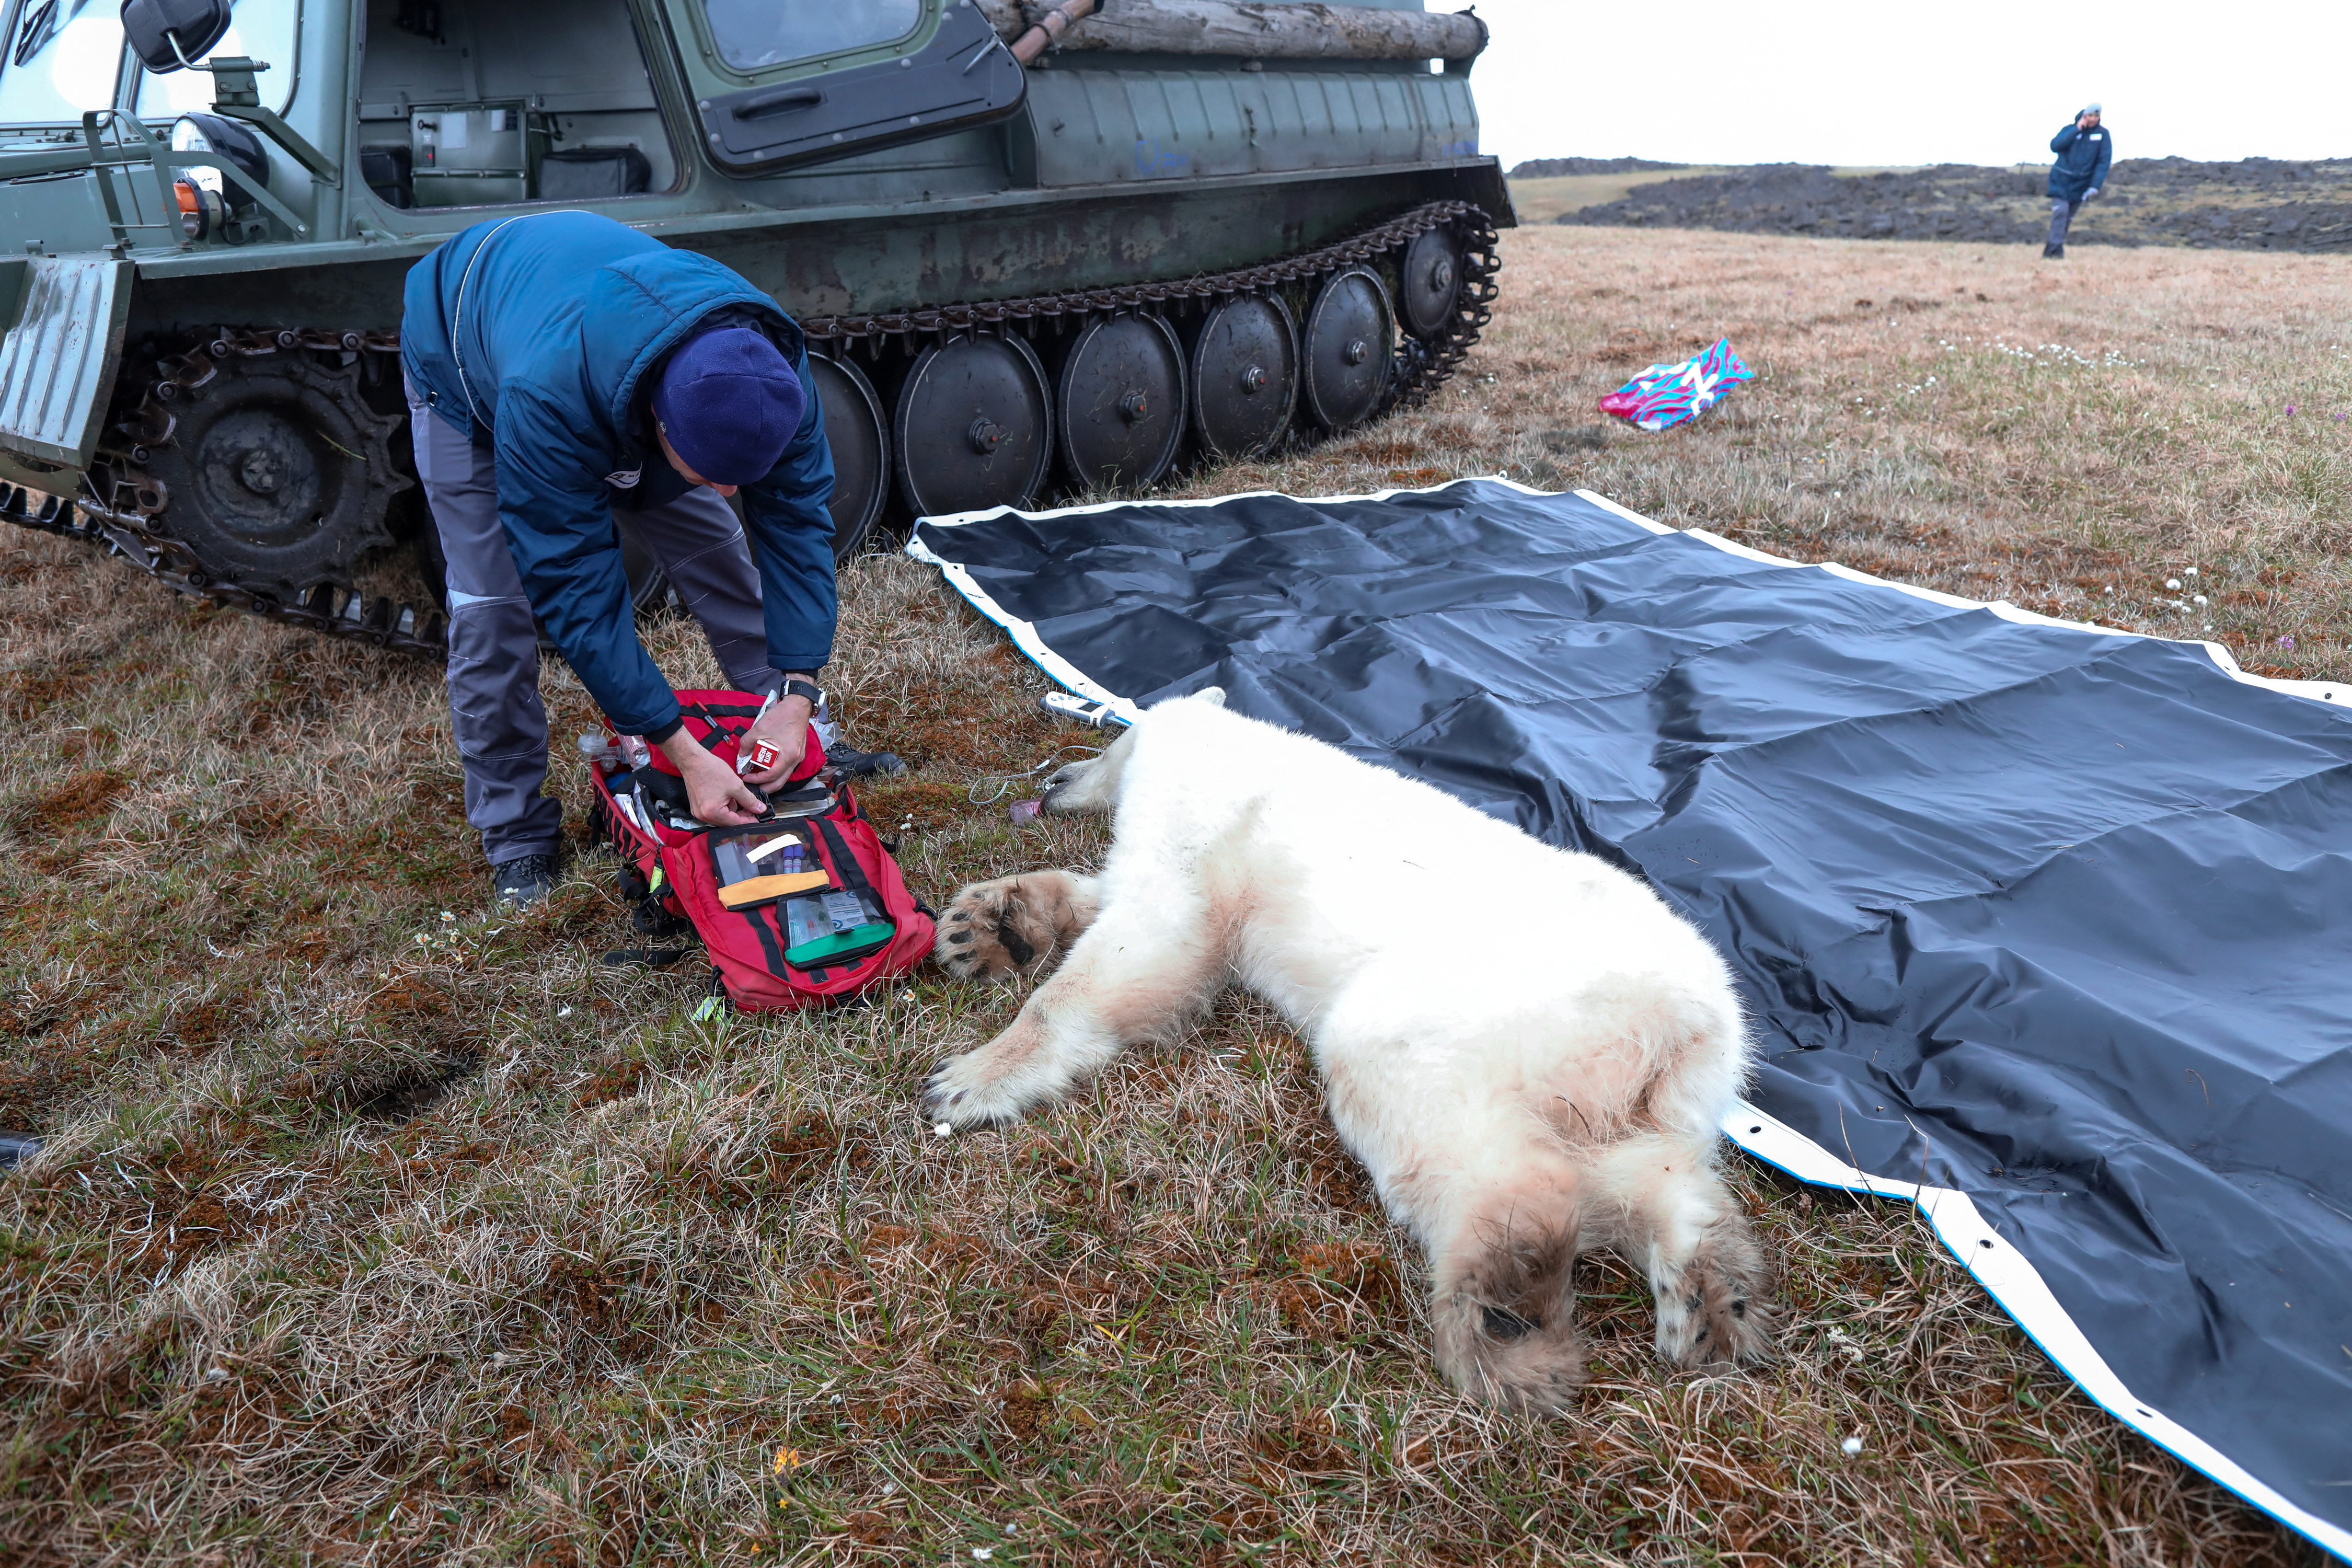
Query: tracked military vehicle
[[1187, 230]]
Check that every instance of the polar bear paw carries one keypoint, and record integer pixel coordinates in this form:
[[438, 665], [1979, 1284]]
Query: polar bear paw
[[974, 1090], [994, 930]]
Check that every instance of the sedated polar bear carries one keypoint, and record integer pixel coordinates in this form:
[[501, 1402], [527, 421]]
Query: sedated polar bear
[[1525, 1046]]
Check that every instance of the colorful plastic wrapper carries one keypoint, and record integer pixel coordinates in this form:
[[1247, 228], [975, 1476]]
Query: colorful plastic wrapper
[[1667, 394]]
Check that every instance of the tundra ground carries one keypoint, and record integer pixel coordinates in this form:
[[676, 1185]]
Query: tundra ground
[[374, 1229]]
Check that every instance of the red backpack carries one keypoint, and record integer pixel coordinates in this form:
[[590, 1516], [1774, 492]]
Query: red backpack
[[803, 906]]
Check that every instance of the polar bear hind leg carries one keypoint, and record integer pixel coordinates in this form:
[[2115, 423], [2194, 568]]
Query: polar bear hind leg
[[1502, 1298], [1675, 1220]]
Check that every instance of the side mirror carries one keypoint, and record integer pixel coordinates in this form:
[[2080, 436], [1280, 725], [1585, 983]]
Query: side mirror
[[169, 35]]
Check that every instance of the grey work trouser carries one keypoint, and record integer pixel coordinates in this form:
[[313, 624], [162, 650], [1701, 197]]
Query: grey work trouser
[[2061, 216], [494, 704]]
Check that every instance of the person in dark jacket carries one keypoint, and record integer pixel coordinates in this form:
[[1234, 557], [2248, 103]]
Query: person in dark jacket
[[2085, 150], [566, 373]]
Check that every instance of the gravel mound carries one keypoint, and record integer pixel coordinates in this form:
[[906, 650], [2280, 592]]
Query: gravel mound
[[2255, 203]]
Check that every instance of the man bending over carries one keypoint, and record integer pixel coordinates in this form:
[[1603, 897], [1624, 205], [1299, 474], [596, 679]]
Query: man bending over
[[565, 373]]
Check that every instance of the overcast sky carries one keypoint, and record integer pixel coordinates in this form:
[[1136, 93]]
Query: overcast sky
[[1835, 81]]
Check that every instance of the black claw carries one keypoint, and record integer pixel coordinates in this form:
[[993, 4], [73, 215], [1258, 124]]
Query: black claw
[[1506, 1324], [1740, 1308]]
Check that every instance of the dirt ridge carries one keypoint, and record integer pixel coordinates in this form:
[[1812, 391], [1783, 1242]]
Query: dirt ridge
[[2251, 203]]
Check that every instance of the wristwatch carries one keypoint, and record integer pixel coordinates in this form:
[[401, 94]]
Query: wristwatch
[[804, 689]]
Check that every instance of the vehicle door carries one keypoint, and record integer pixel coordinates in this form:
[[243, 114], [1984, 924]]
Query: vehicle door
[[781, 83]]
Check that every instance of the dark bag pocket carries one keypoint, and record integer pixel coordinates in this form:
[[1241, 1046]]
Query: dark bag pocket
[[755, 865]]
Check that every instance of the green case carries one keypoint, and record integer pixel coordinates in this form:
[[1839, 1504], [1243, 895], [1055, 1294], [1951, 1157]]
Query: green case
[[857, 939], [818, 935]]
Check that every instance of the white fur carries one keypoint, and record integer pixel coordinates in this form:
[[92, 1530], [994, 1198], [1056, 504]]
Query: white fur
[[1526, 1048]]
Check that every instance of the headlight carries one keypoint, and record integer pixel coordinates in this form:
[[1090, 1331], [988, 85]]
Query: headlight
[[223, 138]]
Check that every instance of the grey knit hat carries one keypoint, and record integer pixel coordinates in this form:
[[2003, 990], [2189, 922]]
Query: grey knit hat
[[2088, 109]]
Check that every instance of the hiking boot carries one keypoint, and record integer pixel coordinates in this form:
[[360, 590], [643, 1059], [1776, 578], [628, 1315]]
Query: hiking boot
[[2053, 253], [850, 762], [525, 880]]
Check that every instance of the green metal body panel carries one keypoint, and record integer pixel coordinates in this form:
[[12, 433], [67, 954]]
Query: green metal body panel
[[61, 350]]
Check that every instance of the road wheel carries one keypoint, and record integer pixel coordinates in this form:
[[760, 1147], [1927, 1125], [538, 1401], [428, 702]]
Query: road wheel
[[974, 427], [861, 450], [1244, 377], [1349, 333], [1121, 411]]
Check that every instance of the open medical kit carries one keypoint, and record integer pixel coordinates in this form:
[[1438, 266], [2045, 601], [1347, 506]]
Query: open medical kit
[[806, 905]]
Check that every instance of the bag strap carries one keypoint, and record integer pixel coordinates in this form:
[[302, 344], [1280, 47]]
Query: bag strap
[[847, 863], [766, 931]]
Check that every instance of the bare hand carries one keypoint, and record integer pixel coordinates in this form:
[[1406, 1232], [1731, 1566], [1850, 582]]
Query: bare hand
[[785, 726], [713, 792]]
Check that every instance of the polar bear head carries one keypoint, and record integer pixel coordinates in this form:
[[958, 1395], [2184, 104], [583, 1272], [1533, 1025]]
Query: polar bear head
[[1091, 784]]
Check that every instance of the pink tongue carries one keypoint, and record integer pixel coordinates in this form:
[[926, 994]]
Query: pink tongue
[[1024, 812]]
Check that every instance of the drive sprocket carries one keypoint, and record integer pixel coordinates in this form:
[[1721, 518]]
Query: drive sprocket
[[276, 473]]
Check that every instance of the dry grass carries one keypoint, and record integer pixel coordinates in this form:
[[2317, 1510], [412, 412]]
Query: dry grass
[[373, 1233]]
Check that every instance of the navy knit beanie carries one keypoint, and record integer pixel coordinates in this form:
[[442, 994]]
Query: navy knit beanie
[[730, 405]]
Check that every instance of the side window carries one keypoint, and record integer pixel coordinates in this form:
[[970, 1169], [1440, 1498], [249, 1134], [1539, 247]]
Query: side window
[[470, 103], [63, 57], [754, 35], [261, 30]]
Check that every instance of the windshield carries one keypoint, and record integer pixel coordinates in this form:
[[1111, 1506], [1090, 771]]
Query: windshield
[[66, 55], [63, 57], [754, 35]]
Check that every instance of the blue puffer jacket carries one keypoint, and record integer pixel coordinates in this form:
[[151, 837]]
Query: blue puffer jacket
[[2082, 160], [562, 316]]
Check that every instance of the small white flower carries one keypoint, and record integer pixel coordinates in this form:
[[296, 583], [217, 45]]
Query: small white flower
[[2189, 571], [983, 1553], [216, 1375], [2172, 582], [564, 1012], [2198, 600], [1851, 1447], [940, 1130]]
